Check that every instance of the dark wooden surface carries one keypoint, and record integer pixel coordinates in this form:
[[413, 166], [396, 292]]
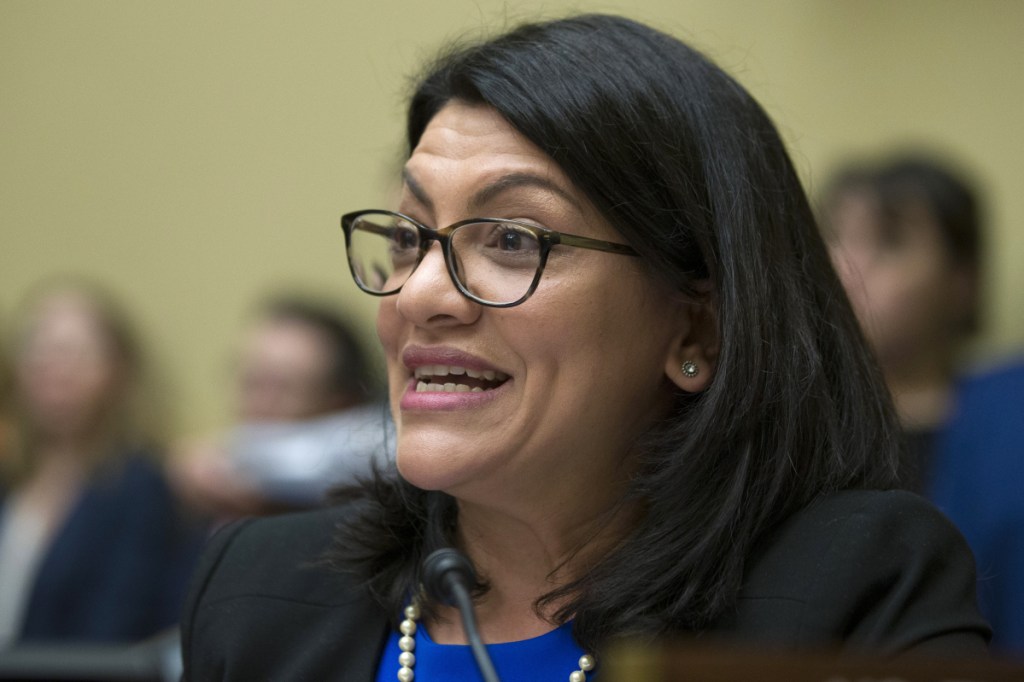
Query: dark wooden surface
[[691, 663]]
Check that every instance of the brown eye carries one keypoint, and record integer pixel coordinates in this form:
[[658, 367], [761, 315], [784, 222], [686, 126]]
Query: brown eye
[[510, 241], [404, 238]]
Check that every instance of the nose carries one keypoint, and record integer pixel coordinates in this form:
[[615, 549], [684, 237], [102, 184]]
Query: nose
[[429, 297]]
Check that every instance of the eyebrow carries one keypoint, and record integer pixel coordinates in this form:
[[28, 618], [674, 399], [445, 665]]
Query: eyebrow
[[416, 189], [503, 184]]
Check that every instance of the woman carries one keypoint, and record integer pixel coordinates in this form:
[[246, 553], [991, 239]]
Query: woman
[[91, 548], [669, 425]]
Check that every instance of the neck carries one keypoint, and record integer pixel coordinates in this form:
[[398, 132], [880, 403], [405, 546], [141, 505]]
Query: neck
[[521, 560], [923, 407], [52, 487], [921, 391]]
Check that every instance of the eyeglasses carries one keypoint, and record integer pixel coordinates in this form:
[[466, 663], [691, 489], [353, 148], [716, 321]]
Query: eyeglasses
[[492, 261]]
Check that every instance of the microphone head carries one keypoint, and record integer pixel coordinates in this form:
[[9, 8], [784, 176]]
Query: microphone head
[[443, 567]]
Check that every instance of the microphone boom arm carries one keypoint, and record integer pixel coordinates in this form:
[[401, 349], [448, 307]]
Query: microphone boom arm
[[447, 576]]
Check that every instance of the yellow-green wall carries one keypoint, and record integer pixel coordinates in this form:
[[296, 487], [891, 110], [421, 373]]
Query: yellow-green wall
[[194, 155]]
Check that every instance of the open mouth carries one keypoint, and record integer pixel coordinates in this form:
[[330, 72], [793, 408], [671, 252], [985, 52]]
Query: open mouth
[[454, 379]]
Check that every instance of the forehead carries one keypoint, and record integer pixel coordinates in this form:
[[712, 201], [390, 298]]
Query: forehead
[[468, 145], [64, 312], [285, 334]]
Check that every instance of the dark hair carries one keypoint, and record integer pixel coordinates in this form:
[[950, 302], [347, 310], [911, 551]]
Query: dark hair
[[910, 180], [350, 376], [692, 173]]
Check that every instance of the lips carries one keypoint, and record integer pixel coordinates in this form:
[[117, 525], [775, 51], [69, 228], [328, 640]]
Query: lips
[[456, 379]]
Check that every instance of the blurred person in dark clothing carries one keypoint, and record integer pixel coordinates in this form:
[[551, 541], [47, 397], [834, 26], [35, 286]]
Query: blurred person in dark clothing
[[905, 237], [92, 548]]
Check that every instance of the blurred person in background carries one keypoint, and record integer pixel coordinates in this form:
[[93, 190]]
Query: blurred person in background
[[307, 417], [906, 238], [91, 546]]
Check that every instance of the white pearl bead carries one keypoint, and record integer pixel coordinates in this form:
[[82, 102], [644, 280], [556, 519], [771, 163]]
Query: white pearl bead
[[407, 643]]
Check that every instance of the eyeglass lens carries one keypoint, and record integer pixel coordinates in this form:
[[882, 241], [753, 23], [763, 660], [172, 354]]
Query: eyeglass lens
[[494, 261]]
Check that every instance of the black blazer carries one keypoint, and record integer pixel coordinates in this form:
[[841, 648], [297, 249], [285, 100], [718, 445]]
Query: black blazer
[[876, 570]]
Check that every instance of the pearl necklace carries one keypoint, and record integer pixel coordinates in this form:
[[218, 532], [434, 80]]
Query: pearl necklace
[[407, 643]]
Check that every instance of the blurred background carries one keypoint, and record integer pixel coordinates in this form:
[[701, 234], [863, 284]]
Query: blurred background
[[195, 156]]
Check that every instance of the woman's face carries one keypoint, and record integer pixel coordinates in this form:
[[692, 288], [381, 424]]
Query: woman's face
[[902, 282], [283, 373], [65, 370], [570, 377]]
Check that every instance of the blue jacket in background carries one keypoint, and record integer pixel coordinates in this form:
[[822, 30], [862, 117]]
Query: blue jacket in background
[[978, 481]]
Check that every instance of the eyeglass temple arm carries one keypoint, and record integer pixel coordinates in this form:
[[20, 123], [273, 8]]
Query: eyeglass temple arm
[[369, 226], [596, 244]]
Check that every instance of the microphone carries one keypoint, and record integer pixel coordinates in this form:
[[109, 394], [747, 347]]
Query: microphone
[[448, 576]]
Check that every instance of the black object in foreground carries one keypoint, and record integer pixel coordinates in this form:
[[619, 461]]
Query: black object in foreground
[[155, 660], [448, 577]]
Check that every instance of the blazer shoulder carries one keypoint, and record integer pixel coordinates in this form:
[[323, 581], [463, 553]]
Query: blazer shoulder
[[877, 569], [872, 516], [265, 604], [271, 556]]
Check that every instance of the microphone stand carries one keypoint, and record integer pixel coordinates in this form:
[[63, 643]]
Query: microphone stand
[[448, 575]]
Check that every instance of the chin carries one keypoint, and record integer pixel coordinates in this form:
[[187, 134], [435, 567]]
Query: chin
[[428, 466], [425, 477], [423, 467]]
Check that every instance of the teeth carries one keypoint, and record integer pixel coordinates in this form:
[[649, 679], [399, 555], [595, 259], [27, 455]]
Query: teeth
[[423, 387], [428, 371]]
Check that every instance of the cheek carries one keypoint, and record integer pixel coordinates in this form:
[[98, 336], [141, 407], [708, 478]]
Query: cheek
[[389, 327], [600, 343], [904, 305], [75, 389], [906, 289]]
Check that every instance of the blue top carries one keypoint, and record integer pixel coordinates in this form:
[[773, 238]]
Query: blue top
[[978, 481], [552, 656]]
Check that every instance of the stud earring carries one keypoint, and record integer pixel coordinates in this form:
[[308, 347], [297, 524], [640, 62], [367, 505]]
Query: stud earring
[[690, 369]]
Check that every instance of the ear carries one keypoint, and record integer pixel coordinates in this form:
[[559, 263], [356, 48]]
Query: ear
[[693, 356]]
